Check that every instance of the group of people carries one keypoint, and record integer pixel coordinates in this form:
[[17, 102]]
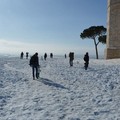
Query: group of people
[[86, 59], [34, 63], [45, 56], [22, 55]]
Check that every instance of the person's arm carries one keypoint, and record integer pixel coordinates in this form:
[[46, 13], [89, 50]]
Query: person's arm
[[38, 61]]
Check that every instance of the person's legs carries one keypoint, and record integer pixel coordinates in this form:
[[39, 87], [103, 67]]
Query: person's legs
[[37, 74], [86, 66], [33, 72], [71, 62]]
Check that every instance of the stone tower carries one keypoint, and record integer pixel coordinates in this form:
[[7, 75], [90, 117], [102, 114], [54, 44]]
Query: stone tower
[[113, 29]]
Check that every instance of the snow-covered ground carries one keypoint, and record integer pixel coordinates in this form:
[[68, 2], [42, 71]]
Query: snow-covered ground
[[62, 92]]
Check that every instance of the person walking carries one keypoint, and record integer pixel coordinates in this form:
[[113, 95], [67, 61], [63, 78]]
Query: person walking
[[65, 56], [71, 58], [51, 55], [27, 55], [86, 59], [34, 63], [21, 55], [45, 56]]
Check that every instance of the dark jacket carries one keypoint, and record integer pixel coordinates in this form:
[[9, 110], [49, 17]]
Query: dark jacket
[[45, 55], [71, 56], [34, 61], [86, 58]]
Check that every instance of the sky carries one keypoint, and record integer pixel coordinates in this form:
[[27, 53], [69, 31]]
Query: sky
[[49, 25]]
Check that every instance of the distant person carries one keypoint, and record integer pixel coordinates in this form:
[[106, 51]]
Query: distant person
[[71, 58], [51, 55], [86, 59], [45, 56], [21, 55], [27, 55], [34, 63], [65, 56]]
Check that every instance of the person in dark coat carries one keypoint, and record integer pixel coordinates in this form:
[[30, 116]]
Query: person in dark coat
[[34, 63], [71, 58], [21, 55], [45, 56], [86, 59], [65, 56], [51, 55], [27, 55]]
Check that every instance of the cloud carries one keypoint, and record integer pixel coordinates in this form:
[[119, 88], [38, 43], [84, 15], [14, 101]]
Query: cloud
[[15, 47], [9, 46]]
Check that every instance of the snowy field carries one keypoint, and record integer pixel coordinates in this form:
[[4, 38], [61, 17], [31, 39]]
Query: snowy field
[[62, 92]]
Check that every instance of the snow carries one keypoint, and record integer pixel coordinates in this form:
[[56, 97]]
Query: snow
[[62, 92]]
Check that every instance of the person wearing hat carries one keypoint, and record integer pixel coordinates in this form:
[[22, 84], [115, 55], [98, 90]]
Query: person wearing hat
[[34, 63]]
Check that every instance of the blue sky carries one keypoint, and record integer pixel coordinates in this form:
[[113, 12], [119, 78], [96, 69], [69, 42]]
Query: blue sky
[[49, 25]]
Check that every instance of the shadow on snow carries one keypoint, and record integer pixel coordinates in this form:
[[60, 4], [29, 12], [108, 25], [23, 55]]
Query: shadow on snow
[[51, 83]]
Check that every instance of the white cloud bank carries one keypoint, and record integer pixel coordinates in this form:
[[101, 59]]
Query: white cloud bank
[[15, 47]]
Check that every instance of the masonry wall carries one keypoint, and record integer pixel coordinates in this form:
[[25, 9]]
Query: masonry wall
[[113, 29]]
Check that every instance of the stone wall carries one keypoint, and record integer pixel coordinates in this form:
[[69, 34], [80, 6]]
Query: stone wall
[[113, 29]]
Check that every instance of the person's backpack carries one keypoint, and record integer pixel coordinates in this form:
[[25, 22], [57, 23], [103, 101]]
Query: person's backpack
[[31, 61]]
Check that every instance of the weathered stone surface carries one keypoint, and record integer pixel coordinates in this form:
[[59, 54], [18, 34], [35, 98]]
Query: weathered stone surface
[[113, 29]]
